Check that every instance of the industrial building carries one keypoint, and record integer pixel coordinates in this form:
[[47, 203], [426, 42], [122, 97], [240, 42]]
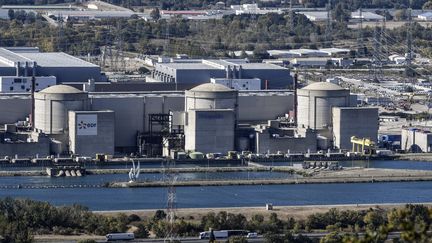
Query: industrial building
[[18, 64], [416, 139], [209, 118], [201, 71], [331, 111]]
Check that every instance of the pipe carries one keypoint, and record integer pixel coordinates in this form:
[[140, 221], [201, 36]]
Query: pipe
[[34, 69], [17, 67], [32, 115], [295, 98], [26, 66]]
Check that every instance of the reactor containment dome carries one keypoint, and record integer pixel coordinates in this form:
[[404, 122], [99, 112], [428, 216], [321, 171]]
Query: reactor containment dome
[[315, 103], [53, 104]]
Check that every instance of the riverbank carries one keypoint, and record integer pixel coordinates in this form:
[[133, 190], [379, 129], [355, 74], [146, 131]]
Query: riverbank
[[261, 168], [416, 156], [351, 175], [297, 212]]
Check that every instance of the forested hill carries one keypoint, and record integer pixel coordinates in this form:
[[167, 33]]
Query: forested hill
[[199, 4]]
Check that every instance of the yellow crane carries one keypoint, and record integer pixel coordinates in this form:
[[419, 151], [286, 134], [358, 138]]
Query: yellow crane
[[361, 144]]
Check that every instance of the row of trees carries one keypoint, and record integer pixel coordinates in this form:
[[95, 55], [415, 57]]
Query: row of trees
[[212, 38], [21, 219]]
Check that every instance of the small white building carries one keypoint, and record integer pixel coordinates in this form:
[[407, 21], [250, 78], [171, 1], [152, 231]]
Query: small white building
[[425, 16], [315, 16], [366, 16], [13, 84], [239, 84], [397, 59]]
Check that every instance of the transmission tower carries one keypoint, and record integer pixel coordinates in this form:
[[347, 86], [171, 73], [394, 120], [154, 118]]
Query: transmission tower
[[384, 40], [377, 54], [291, 15], [60, 32], [409, 54], [361, 47], [328, 32], [167, 35], [119, 55], [170, 177]]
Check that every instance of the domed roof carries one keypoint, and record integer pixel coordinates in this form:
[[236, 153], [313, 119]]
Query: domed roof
[[211, 87], [323, 86], [61, 89]]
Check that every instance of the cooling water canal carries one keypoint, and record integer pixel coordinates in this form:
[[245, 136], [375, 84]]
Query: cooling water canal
[[223, 196]]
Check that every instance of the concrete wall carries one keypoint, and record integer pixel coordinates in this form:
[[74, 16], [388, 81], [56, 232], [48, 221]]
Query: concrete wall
[[89, 145], [210, 131], [132, 109], [132, 113], [198, 76], [263, 108], [277, 78], [40, 147], [71, 74], [14, 108], [266, 143], [354, 121]]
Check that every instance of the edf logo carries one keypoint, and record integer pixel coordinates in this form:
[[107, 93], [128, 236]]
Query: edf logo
[[84, 125]]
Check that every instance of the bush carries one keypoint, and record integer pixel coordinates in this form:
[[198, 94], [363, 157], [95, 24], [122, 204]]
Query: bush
[[141, 232], [133, 218], [237, 239], [87, 241]]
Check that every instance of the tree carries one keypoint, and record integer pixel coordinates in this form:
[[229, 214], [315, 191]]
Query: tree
[[159, 215], [340, 13], [400, 14], [11, 14], [141, 231], [155, 14], [333, 237]]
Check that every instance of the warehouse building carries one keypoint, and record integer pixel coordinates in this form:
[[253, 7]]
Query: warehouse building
[[201, 71], [45, 66]]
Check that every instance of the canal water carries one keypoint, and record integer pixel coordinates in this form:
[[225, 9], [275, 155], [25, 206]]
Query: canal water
[[233, 196], [223, 196]]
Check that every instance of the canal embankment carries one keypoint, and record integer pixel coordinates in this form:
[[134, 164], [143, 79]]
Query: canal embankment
[[352, 175]]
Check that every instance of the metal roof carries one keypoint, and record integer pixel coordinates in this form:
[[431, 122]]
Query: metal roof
[[10, 58], [56, 59], [366, 15]]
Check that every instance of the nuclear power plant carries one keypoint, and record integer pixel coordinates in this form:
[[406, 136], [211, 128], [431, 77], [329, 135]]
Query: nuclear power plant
[[209, 118]]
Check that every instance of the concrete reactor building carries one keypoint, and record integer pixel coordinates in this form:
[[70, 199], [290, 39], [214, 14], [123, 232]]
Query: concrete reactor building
[[210, 118]]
